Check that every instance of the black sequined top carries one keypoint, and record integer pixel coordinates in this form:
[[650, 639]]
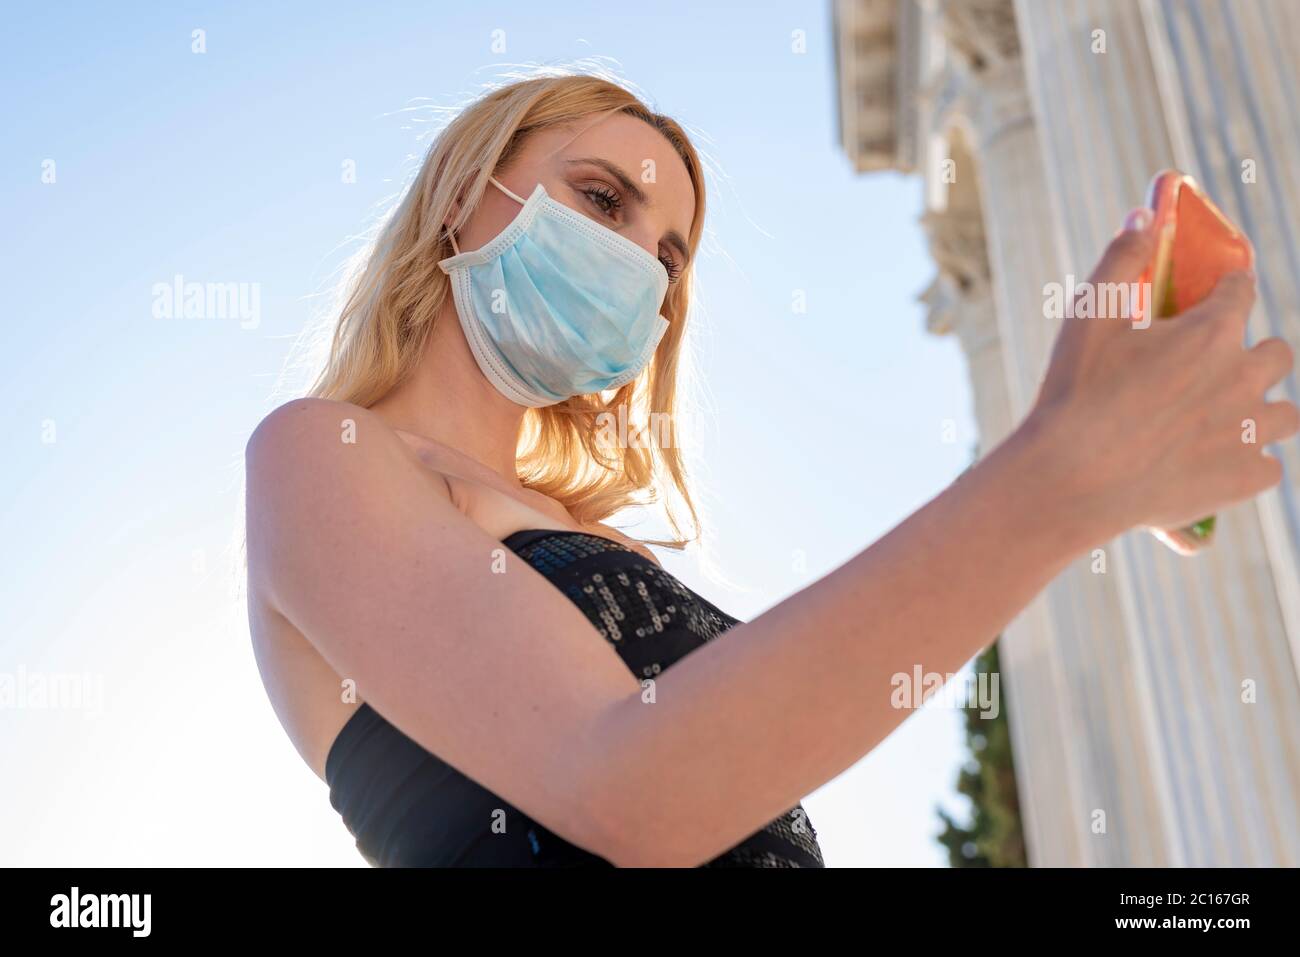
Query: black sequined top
[[407, 808]]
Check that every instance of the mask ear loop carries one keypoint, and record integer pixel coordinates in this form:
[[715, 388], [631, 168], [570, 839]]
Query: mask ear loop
[[518, 199], [496, 182]]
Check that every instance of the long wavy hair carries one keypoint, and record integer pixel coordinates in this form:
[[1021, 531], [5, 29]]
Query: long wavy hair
[[391, 303]]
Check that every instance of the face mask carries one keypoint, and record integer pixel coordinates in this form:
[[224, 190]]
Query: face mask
[[557, 305]]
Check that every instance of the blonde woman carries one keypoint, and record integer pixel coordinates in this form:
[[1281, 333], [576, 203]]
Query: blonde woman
[[486, 674]]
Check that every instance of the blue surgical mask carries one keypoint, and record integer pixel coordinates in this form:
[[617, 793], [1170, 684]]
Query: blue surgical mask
[[557, 305]]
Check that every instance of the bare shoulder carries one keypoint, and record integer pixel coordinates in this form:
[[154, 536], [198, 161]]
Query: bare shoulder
[[312, 422], [298, 426], [315, 460], [324, 441]]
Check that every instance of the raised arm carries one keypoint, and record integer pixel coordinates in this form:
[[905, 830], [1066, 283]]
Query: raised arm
[[1133, 426]]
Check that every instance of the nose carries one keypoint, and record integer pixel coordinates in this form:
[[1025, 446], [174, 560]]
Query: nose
[[646, 235]]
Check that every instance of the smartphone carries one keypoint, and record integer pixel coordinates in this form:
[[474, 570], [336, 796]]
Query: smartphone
[[1196, 246]]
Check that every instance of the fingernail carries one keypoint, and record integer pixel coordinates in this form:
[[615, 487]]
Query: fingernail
[[1138, 219]]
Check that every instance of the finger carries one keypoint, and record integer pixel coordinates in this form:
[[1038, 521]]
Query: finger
[[1113, 283], [1276, 421], [1126, 257], [1228, 304], [1265, 472], [1180, 540], [1268, 362]]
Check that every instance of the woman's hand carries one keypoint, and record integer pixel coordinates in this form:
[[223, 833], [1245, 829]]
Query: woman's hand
[[1159, 424]]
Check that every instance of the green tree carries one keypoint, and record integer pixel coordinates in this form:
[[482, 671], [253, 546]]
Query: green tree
[[993, 837]]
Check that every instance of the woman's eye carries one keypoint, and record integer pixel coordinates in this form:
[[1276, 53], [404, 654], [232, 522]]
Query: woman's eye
[[670, 264], [604, 199]]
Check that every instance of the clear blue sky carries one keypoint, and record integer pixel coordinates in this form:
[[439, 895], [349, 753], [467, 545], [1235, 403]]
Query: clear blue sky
[[225, 167]]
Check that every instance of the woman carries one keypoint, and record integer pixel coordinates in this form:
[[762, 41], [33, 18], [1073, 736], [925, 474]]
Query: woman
[[486, 674]]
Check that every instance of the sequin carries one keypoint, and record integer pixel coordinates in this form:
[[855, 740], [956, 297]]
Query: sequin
[[653, 621]]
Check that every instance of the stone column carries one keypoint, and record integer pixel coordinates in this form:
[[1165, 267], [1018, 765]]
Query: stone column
[[1229, 81], [1075, 748], [1121, 90]]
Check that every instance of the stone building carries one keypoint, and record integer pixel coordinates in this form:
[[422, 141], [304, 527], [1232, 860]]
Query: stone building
[[1155, 706]]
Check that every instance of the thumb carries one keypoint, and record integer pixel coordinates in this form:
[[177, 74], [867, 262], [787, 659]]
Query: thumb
[[1130, 252]]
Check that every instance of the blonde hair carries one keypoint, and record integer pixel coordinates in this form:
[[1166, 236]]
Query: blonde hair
[[392, 303]]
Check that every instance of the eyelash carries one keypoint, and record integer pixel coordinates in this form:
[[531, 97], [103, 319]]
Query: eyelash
[[609, 203]]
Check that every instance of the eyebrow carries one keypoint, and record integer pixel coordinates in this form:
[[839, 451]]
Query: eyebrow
[[672, 237]]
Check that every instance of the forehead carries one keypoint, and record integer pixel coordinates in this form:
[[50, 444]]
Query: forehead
[[633, 145]]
